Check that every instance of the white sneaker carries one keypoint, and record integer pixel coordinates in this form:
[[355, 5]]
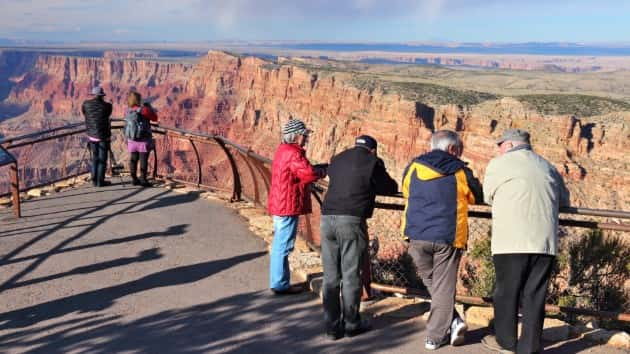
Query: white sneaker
[[458, 331], [430, 344]]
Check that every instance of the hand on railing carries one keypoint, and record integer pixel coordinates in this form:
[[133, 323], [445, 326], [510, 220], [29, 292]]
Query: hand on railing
[[321, 169]]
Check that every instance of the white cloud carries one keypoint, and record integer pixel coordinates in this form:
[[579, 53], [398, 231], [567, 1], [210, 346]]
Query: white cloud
[[232, 16], [68, 14]]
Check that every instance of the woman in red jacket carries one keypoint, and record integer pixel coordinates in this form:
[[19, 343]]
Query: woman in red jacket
[[289, 197], [139, 149]]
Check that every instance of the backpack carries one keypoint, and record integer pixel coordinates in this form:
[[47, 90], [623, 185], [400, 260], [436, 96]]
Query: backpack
[[137, 127]]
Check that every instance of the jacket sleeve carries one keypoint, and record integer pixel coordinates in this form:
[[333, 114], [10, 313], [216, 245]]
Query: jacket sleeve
[[474, 185], [149, 114], [384, 183], [491, 182], [83, 109], [405, 181], [108, 110], [109, 121], [303, 169]]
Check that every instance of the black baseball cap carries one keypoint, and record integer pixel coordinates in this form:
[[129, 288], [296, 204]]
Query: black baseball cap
[[366, 141]]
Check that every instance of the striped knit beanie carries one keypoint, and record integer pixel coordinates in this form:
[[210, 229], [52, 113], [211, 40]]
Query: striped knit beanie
[[295, 126]]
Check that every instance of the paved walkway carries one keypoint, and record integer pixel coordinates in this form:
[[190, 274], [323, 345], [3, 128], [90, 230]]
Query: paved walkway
[[124, 269]]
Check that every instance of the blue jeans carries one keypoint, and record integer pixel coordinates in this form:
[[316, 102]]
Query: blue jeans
[[284, 231]]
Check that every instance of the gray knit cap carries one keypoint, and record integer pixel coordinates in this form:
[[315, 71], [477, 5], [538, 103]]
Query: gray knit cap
[[295, 126]]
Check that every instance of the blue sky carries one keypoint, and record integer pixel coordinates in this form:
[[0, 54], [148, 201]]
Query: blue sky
[[324, 20]]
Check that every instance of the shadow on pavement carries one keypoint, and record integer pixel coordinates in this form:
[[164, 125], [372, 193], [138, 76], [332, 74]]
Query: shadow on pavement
[[171, 200], [27, 215], [144, 256], [157, 201], [568, 347], [101, 299], [255, 322], [175, 230]]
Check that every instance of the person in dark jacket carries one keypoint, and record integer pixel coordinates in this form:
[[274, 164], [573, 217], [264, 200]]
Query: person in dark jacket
[[289, 197], [438, 187], [98, 126], [356, 175]]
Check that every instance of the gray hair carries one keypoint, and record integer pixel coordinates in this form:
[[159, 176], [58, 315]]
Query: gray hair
[[443, 139], [290, 138]]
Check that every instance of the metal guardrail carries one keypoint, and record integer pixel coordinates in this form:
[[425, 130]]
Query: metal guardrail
[[251, 179]]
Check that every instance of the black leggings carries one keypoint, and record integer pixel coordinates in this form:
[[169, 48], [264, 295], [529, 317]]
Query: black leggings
[[144, 164]]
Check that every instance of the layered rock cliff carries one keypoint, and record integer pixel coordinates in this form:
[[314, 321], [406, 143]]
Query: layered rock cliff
[[248, 100]]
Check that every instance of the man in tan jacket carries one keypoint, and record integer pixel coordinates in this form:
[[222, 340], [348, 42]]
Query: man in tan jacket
[[526, 192]]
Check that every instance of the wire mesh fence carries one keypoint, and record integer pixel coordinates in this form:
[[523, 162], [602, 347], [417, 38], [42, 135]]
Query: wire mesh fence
[[591, 272]]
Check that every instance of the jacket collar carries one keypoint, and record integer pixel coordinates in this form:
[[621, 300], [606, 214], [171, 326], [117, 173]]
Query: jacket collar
[[291, 147], [441, 162], [521, 147]]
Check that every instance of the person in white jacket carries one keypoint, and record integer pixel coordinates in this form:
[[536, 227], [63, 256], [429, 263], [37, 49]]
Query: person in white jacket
[[525, 192]]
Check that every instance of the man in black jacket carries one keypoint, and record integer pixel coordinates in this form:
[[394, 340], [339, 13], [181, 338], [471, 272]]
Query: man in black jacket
[[98, 127], [356, 175]]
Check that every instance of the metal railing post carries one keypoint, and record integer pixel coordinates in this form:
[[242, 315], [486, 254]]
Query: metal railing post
[[238, 189], [155, 161], [15, 190], [199, 177]]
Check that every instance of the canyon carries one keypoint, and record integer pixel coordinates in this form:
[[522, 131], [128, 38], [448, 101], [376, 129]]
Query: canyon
[[248, 99]]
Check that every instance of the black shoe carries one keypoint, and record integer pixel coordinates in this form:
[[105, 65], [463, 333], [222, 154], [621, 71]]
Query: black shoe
[[146, 183], [293, 289], [135, 181], [334, 334], [363, 327], [103, 184]]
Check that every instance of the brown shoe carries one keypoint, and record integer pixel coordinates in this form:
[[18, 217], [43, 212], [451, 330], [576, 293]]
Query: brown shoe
[[293, 289], [491, 343]]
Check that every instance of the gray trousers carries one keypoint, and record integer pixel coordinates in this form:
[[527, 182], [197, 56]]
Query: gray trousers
[[437, 264], [344, 241]]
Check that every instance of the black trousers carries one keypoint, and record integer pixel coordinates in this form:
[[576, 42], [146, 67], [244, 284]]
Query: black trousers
[[344, 241], [99, 151], [143, 157], [524, 279]]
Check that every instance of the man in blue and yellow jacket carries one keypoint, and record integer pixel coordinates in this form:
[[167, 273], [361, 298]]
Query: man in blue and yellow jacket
[[438, 187]]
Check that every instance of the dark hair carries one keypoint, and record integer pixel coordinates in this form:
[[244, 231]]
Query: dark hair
[[134, 99]]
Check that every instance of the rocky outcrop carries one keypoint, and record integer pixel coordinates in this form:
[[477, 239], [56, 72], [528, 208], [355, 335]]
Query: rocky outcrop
[[248, 100]]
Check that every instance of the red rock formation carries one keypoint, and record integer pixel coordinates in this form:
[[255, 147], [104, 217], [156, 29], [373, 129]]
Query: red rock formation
[[249, 99]]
